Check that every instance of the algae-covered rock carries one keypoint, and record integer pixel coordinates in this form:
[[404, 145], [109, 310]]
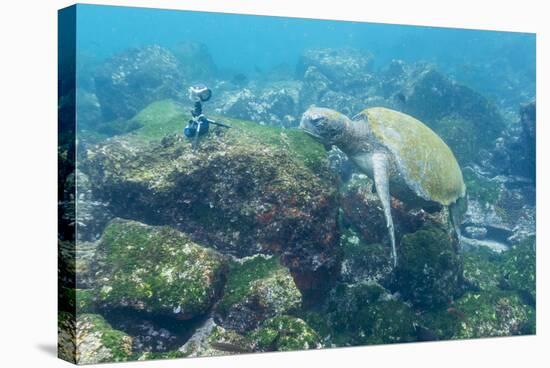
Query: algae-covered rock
[[257, 289], [364, 262], [212, 340], [195, 60], [347, 68], [482, 268], [362, 209], [519, 270], [275, 105], [484, 314], [466, 120], [365, 313], [133, 78], [156, 269], [245, 190], [285, 333], [430, 270], [90, 340], [66, 336]]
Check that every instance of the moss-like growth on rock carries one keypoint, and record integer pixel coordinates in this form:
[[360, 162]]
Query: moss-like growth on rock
[[429, 273], [245, 190], [519, 270], [156, 269], [91, 340], [66, 337], [482, 268], [257, 289], [214, 340], [364, 262], [365, 313], [85, 301], [483, 314], [285, 333], [480, 188]]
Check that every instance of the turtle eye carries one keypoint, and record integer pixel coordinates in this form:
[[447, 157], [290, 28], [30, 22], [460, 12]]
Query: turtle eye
[[316, 120]]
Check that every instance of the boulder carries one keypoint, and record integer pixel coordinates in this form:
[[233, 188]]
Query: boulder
[[213, 340], [156, 269], [483, 314], [467, 121], [347, 69], [275, 105], [429, 270], [91, 340], [257, 288], [285, 333], [515, 152], [366, 313], [132, 79], [245, 190], [197, 65]]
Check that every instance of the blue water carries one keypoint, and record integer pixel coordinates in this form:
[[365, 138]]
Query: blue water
[[245, 42]]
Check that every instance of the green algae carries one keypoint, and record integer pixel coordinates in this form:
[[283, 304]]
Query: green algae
[[98, 342], [365, 313], [163, 118], [262, 281], [157, 269], [519, 270], [480, 188], [482, 268], [429, 273], [285, 333]]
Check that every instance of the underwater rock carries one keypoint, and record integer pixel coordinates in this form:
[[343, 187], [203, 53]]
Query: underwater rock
[[285, 333], [245, 190], [156, 269], [213, 340], [513, 270], [88, 110], [366, 313], [429, 273], [256, 289], [362, 210], [483, 314], [197, 65], [92, 215], [347, 69], [503, 206], [519, 270], [364, 262], [463, 118], [515, 152], [482, 269], [317, 90], [92, 339], [275, 105], [134, 78]]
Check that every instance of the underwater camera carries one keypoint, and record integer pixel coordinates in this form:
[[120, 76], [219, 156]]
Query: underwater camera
[[200, 93]]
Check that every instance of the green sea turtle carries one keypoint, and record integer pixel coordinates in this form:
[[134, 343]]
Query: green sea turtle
[[402, 155]]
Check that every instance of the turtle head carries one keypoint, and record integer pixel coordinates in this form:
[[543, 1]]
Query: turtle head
[[325, 125]]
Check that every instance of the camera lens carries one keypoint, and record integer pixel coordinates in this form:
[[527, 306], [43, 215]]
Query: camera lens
[[205, 94]]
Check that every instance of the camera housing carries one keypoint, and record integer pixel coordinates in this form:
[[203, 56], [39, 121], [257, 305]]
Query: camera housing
[[200, 93]]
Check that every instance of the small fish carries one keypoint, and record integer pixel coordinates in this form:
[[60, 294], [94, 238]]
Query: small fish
[[233, 348], [401, 97], [456, 312]]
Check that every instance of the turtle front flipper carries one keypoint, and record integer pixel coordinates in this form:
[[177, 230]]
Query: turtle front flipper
[[382, 185]]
